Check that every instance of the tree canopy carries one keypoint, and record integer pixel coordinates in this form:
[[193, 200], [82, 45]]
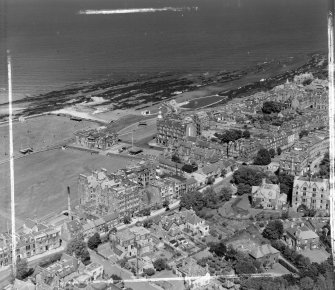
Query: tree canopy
[[263, 157], [247, 175], [271, 107], [274, 230], [78, 247], [94, 241]]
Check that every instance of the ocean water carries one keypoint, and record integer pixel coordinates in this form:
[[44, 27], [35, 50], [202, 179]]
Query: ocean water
[[53, 45]]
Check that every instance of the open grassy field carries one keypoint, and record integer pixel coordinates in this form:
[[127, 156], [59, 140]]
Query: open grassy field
[[41, 180], [39, 133]]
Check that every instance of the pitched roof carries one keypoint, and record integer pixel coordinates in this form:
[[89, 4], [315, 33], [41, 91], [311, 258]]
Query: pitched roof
[[263, 250]]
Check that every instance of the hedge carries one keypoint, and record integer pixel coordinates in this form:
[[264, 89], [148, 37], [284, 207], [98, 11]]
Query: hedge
[[287, 266]]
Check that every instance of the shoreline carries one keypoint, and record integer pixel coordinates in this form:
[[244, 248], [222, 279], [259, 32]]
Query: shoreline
[[148, 91]]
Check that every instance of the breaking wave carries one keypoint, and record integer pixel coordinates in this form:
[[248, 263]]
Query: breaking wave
[[137, 10]]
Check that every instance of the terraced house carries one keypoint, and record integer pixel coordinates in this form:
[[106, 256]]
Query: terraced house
[[32, 239]]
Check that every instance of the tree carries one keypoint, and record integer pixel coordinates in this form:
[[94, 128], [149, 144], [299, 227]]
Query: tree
[[245, 266], [303, 133], [274, 230], [320, 283], [149, 271], [306, 283], [248, 176], [127, 220], [271, 107], [116, 278], [147, 223], [220, 249], [325, 166], [210, 180], [22, 269], [223, 172], [246, 134], [225, 194], [286, 184], [175, 158], [263, 157], [94, 241], [166, 203], [78, 247], [160, 264], [279, 151], [272, 153], [211, 198], [243, 189]]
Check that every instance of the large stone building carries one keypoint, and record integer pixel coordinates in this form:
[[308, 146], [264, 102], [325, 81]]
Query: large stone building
[[102, 138], [102, 194], [172, 128], [312, 192]]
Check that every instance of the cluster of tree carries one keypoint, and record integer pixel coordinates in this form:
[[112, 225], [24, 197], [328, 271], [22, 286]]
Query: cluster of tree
[[263, 157], [149, 272], [160, 264], [209, 198], [274, 230], [246, 177], [288, 282], [240, 262], [286, 184], [94, 241], [216, 265], [144, 212], [271, 107], [50, 260], [127, 220], [175, 158], [147, 223], [325, 166], [22, 269], [78, 247], [303, 133], [232, 136], [325, 237]]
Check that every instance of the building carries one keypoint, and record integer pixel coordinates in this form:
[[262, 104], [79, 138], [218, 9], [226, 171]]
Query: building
[[312, 192], [57, 274], [102, 138], [103, 194], [301, 237], [132, 242], [189, 269], [172, 128], [32, 239], [143, 174], [268, 196], [266, 255]]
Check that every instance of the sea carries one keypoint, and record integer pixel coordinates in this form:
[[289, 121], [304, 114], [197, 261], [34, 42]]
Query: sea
[[55, 43]]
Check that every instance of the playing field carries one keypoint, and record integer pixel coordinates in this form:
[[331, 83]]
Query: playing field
[[39, 133], [41, 180]]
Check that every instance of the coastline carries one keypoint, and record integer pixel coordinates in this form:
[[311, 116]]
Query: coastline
[[147, 91]]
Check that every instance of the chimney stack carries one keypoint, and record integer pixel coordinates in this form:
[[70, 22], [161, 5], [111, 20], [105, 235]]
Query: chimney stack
[[69, 203]]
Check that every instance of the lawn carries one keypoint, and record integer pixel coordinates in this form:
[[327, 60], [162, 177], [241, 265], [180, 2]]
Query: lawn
[[316, 255], [39, 133], [41, 180], [203, 101]]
